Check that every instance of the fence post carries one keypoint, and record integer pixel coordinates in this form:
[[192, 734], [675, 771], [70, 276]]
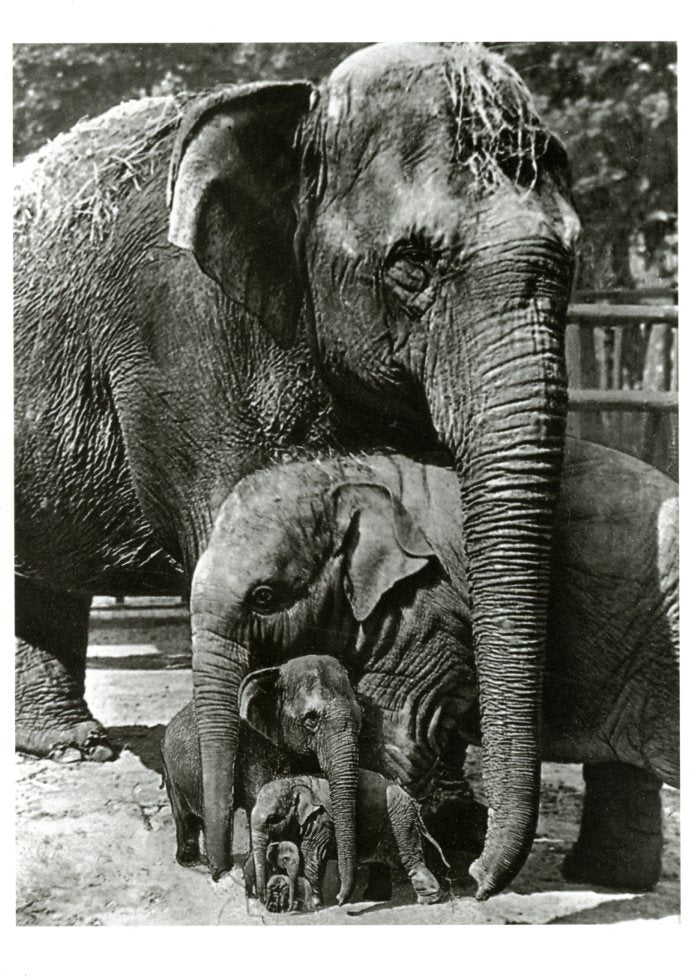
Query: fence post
[[659, 446]]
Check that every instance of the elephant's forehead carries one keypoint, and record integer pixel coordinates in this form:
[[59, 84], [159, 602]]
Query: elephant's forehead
[[412, 94], [399, 101], [375, 60], [277, 520]]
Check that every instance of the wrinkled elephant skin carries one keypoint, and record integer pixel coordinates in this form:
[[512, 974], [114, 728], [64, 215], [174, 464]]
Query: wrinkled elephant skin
[[362, 557], [400, 237]]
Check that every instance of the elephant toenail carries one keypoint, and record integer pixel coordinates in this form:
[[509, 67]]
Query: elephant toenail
[[101, 753], [65, 754]]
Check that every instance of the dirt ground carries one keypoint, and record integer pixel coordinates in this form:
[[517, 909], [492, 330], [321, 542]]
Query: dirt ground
[[95, 843]]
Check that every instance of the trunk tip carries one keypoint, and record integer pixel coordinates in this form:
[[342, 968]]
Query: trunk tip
[[217, 872], [486, 883], [344, 894], [491, 880]]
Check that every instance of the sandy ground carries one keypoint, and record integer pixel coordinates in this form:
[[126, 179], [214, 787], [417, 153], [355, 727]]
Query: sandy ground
[[95, 843]]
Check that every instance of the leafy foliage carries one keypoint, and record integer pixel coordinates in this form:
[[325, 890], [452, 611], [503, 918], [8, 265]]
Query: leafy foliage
[[613, 104]]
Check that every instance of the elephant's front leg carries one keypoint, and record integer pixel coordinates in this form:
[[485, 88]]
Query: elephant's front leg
[[404, 820], [52, 718], [620, 839]]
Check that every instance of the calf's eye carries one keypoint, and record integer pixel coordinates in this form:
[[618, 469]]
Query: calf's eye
[[263, 598]]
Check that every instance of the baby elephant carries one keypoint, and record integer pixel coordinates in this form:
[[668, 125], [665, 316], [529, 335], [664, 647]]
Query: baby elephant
[[389, 830], [286, 889], [301, 716]]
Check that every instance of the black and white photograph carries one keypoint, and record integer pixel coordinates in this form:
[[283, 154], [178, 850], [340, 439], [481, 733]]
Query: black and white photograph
[[346, 482]]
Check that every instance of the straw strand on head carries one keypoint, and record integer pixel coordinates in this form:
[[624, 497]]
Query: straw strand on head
[[497, 126]]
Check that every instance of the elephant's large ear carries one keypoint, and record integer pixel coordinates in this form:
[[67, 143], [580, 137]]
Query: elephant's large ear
[[382, 543], [258, 702], [233, 184]]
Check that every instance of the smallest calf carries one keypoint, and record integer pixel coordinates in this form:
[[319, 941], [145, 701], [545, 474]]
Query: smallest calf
[[389, 829]]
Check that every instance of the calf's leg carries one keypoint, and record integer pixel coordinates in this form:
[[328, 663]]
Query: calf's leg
[[406, 825], [188, 825]]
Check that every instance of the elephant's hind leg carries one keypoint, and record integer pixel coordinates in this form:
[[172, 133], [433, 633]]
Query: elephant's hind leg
[[620, 839], [51, 717]]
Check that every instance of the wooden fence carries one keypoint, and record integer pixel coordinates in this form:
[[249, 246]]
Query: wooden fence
[[622, 362]]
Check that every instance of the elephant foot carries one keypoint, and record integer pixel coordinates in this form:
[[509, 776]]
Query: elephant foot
[[425, 885], [379, 886], [613, 869], [52, 719], [620, 840], [83, 741]]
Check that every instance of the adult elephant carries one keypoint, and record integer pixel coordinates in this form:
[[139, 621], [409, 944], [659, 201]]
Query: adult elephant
[[419, 210], [406, 228]]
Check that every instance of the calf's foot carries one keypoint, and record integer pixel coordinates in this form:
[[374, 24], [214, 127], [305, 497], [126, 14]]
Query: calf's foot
[[425, 885], [52, 719], [620, 839]]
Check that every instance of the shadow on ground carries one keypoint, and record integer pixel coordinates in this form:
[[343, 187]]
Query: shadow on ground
[[653, 906], [143, 741]]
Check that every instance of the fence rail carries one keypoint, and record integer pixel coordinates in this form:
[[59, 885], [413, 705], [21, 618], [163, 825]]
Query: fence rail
[[607, 314], [596, 399], [623, 384]]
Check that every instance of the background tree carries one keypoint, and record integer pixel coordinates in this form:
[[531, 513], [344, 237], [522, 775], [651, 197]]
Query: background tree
[[614, 105]]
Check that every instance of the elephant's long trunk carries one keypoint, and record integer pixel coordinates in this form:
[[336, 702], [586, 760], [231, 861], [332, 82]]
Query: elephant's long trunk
[[293, 875], [219, 666], [503, 418], [339, 759], [259, 846]]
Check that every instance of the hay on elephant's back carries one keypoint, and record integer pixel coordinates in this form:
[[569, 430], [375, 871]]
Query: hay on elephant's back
[[77, 181], [497, 128]]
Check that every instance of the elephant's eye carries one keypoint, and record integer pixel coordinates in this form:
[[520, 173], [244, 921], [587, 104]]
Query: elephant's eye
[[311, 720], [408, 275], [263, 599]]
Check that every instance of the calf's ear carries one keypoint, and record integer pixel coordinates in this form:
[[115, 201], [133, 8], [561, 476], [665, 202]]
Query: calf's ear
[[381, 541], [258, 702]]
